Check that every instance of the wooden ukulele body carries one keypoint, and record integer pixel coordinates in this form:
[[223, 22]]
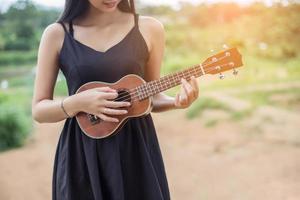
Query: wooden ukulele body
[[95, 127]]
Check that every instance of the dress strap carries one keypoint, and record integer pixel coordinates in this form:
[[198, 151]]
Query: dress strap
[[136, 19], [63, 25], [71, 28]]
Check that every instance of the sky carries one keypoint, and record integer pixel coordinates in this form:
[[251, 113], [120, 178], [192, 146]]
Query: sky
[[60, 3]]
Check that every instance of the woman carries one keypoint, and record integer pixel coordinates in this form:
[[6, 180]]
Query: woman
[[103, 40]]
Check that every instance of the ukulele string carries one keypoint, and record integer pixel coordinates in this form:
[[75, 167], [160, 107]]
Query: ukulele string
[[204, 65], [135, 95], [132, 92]]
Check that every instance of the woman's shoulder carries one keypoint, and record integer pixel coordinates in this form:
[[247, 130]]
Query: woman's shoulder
[[151, 23], [152, 30], [54, 34]]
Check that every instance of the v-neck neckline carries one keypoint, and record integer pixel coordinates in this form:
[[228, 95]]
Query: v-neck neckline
[[107, 50]]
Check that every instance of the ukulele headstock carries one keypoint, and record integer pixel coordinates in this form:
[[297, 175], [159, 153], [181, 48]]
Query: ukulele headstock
[[223, 61]]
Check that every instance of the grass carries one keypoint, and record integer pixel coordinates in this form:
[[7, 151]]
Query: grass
[[211, 123], [240, 115], [289, 98], [17, 58], [197, 108]]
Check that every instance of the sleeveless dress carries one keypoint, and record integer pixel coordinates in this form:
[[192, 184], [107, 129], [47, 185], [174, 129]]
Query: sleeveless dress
[[125, 166]]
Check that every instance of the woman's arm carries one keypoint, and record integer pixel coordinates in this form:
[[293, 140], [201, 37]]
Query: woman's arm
[[44, 108], [154, 34]]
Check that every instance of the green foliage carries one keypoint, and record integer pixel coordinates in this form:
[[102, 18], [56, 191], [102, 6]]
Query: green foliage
[[61, 88], [21, 25], [14, 124], [271, 32], [17, 57], [200, 105], [211, 123], [239, 115]]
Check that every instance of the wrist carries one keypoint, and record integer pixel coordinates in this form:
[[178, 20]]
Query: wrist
[[71, 105]]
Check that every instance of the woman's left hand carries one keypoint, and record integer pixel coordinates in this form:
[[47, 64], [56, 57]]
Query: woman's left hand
[[189, 92]]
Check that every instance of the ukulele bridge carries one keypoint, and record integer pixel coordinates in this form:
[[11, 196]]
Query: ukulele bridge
[[93, 119]]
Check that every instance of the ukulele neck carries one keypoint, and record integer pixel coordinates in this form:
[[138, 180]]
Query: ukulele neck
[[154, 87], [223, 61]]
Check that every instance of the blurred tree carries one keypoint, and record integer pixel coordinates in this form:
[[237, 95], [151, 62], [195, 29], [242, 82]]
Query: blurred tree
[[22, 24], [18, 25]]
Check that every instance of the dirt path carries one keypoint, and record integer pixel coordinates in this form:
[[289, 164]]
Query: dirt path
[[230, 161]]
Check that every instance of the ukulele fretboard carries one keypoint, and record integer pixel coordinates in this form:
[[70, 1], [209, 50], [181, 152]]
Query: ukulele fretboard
[[169, 81]]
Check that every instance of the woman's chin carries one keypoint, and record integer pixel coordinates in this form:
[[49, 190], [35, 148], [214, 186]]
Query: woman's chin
[[109, 7]]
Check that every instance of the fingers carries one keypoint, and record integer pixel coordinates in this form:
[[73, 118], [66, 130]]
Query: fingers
[[111, 111], [116, 104], [107, 92], [194, 84], [105, 89], [108, 95], [177, 102], [189, 91], [103, 112], [107, 118], [183, 97]]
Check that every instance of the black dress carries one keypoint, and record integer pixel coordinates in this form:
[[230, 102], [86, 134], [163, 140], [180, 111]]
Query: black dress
[[125, 166]]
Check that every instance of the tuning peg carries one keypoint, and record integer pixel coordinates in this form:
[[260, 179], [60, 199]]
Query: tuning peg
[[225, 46], [214, 59], [221, 76], [235, 72]]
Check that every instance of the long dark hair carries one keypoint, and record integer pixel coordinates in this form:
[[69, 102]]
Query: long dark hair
[[74, 8]]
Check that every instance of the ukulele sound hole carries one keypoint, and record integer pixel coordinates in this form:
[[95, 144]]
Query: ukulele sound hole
[[123, 95]]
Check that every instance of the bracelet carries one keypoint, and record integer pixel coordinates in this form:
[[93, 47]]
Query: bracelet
[[62, 107]]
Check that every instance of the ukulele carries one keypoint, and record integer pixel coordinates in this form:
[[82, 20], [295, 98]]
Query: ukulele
[[139, 93]]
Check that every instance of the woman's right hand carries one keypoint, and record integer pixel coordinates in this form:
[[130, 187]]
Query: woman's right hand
[[98, 101]]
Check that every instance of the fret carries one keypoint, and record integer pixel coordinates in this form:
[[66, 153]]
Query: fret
[[174, 80], [159, 84], [156, 87], [202, 70], [140, 93], [150, 88], [144, 91], [153, 88], [189, 73], [195, 71], [168, 82]]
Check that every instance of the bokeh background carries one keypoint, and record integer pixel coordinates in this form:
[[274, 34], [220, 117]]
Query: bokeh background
[[239, 141]]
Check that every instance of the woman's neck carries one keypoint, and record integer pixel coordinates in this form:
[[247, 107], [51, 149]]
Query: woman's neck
[[95, 17]]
